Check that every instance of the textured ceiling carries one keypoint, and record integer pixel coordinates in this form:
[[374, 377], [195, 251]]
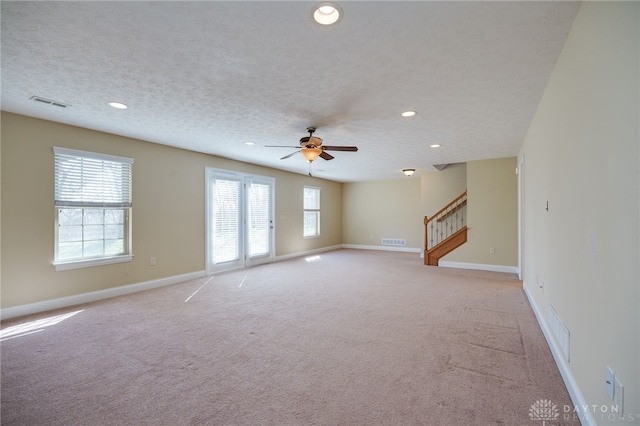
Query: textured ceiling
[[209, 76]]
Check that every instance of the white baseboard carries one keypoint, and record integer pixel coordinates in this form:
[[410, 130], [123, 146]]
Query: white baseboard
[[585, 416], [478, 266], [382, 248], [306, 253], [64, 302]]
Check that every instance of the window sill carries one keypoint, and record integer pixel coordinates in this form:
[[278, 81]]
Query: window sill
[[87, 263], [306, 237]]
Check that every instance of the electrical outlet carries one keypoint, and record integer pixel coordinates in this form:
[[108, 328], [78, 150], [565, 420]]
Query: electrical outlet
[[492, 250], [618, 396], [610, 382], [540, 282], [152, 262]]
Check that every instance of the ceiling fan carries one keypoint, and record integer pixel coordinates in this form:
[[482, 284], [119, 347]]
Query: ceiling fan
[[311, 148]]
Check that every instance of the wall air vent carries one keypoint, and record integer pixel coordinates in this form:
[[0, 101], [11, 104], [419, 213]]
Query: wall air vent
[[559, 330], [49, 102], [394, 242]]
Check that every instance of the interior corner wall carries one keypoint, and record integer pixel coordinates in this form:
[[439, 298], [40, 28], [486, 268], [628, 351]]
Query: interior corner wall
[[168, 219], [439, 188], [382, 209], [492, 214], [581, 254]]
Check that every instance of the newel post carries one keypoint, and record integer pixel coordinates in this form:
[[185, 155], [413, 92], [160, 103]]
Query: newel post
[[426, 240]]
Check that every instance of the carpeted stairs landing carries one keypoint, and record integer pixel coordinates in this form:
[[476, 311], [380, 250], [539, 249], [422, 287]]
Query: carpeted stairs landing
[[352, 337]]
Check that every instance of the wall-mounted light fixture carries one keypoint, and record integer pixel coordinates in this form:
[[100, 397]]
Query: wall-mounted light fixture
[[409, 172]]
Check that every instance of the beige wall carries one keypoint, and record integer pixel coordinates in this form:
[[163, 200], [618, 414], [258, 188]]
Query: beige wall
[[289, 213], [168, 210], [581, 154], [440, 188], [492, 219], [382, 209], [492, 212]]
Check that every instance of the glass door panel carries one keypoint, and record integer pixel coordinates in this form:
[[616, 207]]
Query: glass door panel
[[259, 221]]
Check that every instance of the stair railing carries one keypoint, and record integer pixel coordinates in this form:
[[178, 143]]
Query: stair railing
[[446, 222]]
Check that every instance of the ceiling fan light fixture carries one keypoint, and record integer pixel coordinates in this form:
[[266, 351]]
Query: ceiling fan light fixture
[[409, 172], [311, 153], [327, 13]]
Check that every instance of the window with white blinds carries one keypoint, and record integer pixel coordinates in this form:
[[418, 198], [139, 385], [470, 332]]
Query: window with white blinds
[[93, 207], [311, 206]]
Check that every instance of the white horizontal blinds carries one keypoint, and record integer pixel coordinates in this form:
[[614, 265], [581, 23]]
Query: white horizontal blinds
[[258, 218], [311, 207], [89, 179], [311, 198], [227, 202], [93, 202]]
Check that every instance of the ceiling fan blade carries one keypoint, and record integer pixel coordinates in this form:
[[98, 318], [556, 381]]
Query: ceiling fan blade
[[326, 156], [281, 146], [340, 148], [287, 156]]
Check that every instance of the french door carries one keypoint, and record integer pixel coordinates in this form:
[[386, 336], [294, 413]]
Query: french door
[[239, 215]]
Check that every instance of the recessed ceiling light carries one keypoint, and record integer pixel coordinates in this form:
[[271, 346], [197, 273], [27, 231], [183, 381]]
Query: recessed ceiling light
[[118, 105], [408, 113], [249, 143], [435, 145], [327, 13]]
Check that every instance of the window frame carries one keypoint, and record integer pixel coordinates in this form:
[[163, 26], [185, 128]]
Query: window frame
[[126, 207], [306, 210]]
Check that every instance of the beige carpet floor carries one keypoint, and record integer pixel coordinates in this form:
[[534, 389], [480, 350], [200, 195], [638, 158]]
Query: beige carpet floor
[[353, 337]]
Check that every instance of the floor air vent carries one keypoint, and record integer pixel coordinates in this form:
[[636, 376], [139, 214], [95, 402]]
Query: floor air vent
[[49, 102], [393, 242]]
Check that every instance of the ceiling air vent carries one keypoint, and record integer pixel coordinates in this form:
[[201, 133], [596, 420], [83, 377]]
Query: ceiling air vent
[[49, 102]]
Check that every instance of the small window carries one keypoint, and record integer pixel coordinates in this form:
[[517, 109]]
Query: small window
[[93, 208], [311, 212]]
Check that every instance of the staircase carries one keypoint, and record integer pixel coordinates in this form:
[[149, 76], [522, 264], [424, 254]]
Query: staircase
[[446, 230]]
